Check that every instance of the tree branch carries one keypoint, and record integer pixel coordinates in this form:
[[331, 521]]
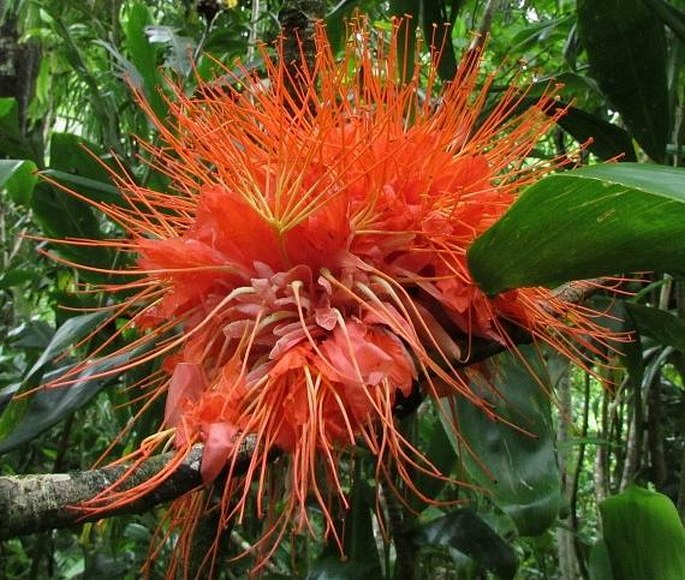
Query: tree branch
[[35, 503]]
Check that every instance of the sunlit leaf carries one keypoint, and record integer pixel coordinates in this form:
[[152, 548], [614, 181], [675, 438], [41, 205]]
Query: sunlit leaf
[[644, 536], [595, 221]]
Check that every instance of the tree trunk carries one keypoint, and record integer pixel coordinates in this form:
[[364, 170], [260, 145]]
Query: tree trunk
[[568, 566]]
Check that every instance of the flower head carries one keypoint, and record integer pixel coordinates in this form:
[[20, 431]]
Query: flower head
[[307, 268]]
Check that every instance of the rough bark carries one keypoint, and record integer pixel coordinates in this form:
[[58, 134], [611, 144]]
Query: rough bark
[[35, 503], [18, 64], [568, 565], [601, 465]]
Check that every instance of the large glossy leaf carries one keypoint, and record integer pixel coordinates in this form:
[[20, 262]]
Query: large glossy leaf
[[644, 536], [607, 140], [673, 17], [62, 216], [465, 531], [660, 325], [74, 155], [66, 336], [516, 464], [21, 414], [589, 222], [96, 190], [626, 46]]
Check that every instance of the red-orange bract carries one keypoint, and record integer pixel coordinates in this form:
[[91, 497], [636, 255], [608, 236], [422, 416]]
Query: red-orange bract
[[308, 267]]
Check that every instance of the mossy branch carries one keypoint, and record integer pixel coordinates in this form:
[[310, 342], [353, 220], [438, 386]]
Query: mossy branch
[[35, 503]]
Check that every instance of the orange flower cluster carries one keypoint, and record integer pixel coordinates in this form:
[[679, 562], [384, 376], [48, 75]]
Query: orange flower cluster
[[308, 267]]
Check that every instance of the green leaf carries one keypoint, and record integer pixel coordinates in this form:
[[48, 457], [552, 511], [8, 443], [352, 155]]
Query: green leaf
[[63, 216], [74, 155], [643, 535], [13, 143], [66, 336], [359, 540], [93, 189], [336, 23], [144, 55], [51, 346], [439, 451], [50, 406], [589, 222], [658, 324], [19, 178], [9, 119], [600, 566], [615, 318], [332, 568], [538, 33], [465, 531], [16, 276], [517, 464], [626, 46], [607, 140], [670, 15]]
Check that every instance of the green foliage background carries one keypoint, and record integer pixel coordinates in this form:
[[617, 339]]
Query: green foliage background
[[534, 507]]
